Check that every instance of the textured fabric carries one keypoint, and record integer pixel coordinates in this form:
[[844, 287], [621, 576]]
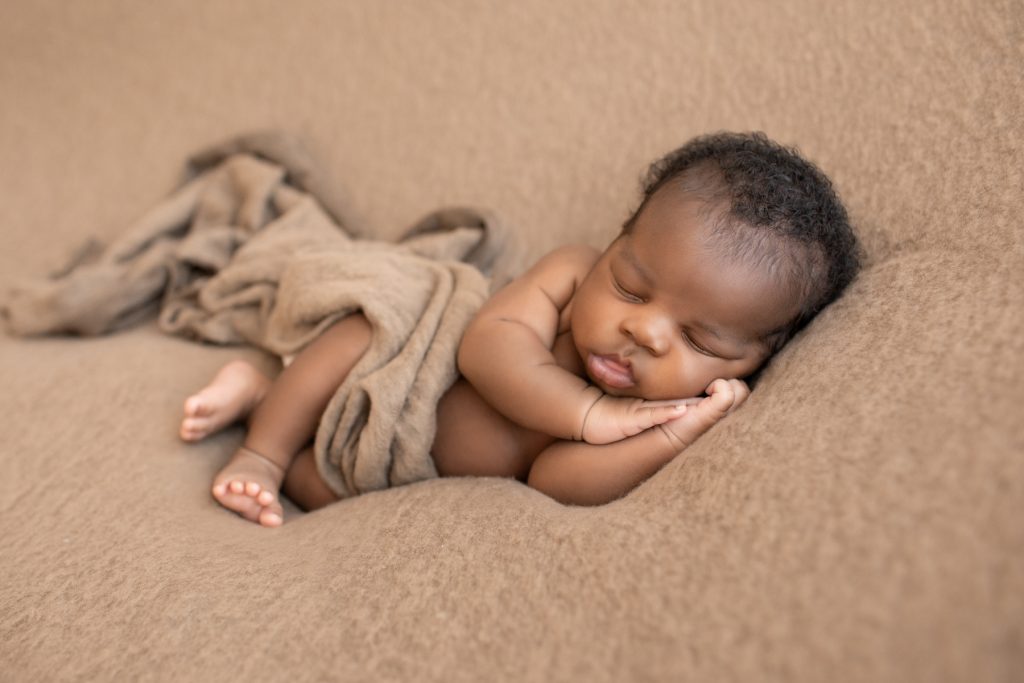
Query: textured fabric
[[857, 520], [240, 254]]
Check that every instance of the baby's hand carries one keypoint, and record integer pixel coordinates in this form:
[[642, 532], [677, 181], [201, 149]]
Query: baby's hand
[[723, 397], [613, 418]]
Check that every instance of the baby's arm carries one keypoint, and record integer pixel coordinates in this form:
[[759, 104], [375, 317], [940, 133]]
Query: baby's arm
[[587, 474], [506, 355]]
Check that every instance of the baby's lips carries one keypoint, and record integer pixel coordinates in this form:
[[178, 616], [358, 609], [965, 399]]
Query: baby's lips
[[610, 371]]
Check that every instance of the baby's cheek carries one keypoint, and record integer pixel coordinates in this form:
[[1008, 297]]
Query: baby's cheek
[[699, 374], [678, 380]]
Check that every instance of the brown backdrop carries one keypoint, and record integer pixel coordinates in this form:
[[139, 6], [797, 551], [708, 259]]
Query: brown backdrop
[[858, 520]]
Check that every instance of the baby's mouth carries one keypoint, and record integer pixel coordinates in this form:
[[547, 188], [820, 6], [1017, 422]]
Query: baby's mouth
[[612, 371]]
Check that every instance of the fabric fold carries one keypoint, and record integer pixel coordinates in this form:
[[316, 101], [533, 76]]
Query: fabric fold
[[243, 252]]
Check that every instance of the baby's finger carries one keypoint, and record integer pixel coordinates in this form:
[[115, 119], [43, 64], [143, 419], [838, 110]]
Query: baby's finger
[[699, 418], [670, 402], [656, 415], [741, 392], [721, 395]]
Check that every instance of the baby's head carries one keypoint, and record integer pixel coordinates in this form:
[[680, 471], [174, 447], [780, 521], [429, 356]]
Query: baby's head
[[737, 244]]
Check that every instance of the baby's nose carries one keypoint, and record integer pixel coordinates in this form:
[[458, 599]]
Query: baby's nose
[[649, 332]]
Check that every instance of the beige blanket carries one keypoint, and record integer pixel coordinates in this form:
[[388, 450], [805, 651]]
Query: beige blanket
[[244, 253]]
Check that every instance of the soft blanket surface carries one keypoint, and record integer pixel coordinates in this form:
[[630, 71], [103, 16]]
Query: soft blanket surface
[[857, 520], [241, 253]]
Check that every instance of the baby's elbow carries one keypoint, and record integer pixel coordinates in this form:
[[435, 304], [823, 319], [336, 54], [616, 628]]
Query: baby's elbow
[[539, 480], [558, 475], [475, 355], [552, 483]]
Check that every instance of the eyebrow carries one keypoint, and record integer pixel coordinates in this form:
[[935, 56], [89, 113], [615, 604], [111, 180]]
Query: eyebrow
[[638, 266]]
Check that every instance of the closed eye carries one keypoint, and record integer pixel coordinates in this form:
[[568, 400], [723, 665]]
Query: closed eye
[[698, 348], [627, 294]]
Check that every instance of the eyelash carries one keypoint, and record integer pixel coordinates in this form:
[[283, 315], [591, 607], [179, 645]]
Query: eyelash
[[699, 349], [626, 294]]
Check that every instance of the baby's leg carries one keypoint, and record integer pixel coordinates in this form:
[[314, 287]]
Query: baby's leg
[[304, 485], [286, 420], [229, 397]]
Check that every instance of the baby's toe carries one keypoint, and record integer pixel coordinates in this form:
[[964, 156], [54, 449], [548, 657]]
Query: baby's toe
[[195, 406], [192, 429], [265, 497], [271, 516], [238, 502]]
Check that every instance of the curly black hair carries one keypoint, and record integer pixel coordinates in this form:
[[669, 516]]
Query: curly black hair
[[768, 205]]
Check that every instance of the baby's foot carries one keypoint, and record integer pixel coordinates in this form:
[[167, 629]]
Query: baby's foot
[[248, 485], [231, 396]]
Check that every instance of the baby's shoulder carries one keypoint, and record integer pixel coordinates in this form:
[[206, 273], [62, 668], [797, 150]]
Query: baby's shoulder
[[558, 273], [572, 260]]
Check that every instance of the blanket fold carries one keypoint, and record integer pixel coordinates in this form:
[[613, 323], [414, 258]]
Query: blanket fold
[[243, 252]]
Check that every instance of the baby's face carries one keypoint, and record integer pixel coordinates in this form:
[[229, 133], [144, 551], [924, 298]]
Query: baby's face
[[661, 315]]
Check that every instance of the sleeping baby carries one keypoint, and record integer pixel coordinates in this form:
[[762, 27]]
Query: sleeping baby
[[589, 372]]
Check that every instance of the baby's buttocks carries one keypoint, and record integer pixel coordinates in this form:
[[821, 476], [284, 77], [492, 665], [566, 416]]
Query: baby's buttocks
[[473, 439]]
